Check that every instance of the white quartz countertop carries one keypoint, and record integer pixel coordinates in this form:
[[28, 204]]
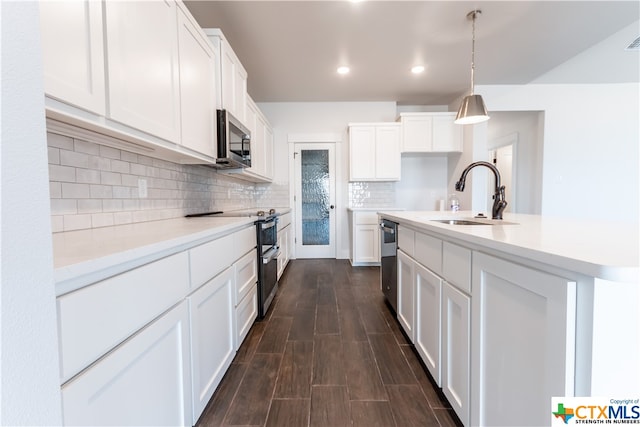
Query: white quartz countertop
[[86, 256], [599, 249], [367, 209]]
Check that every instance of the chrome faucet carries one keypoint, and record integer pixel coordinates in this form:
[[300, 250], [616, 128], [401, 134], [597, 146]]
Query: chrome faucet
[[499, 202]]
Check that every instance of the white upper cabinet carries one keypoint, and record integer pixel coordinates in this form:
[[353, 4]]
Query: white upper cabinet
[[73, 54], [374, 152], [197, 87], [143, 74], [430, 133], [233, 76]]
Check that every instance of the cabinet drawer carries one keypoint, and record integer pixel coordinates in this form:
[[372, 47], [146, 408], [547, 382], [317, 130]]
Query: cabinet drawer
[[211, 258], [406, 240], [246, 314], [246, 276], [366, 218], [428, 252], [456, 266], [284, 220], [95, 319], [145, 381]]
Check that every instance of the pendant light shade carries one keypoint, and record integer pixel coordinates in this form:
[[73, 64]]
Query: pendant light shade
[[472, 110]]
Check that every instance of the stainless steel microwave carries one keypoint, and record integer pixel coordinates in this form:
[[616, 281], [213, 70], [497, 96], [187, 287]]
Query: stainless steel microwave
[[234, 142]]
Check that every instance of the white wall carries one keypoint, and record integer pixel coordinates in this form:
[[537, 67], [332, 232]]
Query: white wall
[[526, 127], [591, 134], [323, 117], [423, 182], [29, 347]]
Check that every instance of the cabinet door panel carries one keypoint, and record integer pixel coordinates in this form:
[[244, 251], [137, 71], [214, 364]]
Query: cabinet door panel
[[416, 134], [406, 286], [246, 314], [366, 243], [212, 336], [447, 136], [142, 46], [428, 301], [362, 153], [456, 346], [145, 381], [73, 53], [197, 89], [428, 252], [246, 275], [524, 341], [388, 153]]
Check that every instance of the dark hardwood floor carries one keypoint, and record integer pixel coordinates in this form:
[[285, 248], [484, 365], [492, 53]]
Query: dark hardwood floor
[[329, 353]]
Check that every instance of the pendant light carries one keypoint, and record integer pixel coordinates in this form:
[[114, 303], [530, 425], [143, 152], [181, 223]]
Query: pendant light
[[472, 110]]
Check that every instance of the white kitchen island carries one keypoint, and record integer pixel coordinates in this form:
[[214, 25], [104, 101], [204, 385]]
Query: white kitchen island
[[510, 313]]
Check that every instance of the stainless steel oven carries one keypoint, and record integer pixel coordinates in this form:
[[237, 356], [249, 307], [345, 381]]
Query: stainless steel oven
[[388, 261], [268, 252], [266, 222]]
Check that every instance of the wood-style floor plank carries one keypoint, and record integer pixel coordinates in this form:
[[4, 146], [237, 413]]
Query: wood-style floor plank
[[371, 414], [304, 324], [329, 407], [252, 400], [394, 369], [289, 413], [294, 379], [328, 353], [275, 336], [328, 360], [410, 407], [327, 320], [363, 377]]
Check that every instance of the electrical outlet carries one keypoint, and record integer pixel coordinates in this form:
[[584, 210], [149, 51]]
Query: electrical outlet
[[142, 188]]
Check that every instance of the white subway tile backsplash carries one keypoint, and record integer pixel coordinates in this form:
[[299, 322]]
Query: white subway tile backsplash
[[102, 219], [64, 206], [75, 159], [59, 141], [95, 186], [86, 147], [110, 178], [77, 222], [75, 191], [54, 155], [55, 190], [86, 206], [62, 173], [101, 192], [108, 152], [119, 166], [88, 176]]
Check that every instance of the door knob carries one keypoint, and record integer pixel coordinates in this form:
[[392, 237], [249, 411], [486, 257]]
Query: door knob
[[331, 206]]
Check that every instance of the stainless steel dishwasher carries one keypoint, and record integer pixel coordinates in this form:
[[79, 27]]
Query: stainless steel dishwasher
[[388, 261]]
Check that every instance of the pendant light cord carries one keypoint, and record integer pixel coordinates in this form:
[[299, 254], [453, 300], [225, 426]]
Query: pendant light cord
[[472, 15]]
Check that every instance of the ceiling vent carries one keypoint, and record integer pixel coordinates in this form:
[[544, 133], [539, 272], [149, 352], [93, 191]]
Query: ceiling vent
[[635, 45]]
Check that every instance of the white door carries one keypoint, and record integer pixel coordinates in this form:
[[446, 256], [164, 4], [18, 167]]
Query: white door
[[315, 195]]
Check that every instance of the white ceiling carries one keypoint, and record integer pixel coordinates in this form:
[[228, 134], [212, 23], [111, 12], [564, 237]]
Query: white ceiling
[[291, 49]]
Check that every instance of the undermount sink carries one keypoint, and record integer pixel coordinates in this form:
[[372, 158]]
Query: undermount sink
[[460, 222]]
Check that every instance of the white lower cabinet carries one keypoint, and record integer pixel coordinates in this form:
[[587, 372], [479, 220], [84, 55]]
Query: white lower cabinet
[[524, 342], [456, 346], [212, 317], [365, 238], [406, 293], [428, 311], [144, 381]]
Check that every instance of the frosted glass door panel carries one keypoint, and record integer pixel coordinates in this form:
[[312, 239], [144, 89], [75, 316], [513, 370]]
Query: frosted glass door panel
[[315, 195]]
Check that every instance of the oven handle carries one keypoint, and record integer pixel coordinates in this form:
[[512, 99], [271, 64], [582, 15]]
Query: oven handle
[[270, 255], [267, 224]]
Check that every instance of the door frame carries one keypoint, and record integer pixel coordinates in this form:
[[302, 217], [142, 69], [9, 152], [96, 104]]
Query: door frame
[[340, 211], [496, 144]]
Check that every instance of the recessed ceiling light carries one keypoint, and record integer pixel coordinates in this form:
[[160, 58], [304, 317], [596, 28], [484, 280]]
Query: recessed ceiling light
[[343, 70], [417, 69]]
